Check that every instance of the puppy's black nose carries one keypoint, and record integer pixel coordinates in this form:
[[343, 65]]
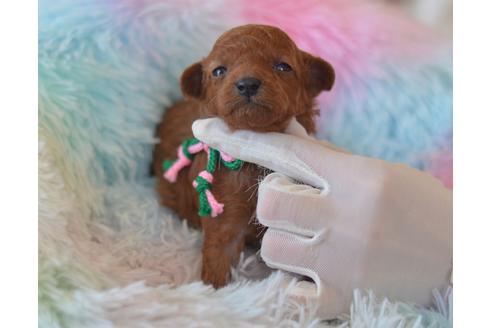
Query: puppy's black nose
[[248, 86]]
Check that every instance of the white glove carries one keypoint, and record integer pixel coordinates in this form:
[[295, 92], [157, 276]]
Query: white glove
[[355, 222]]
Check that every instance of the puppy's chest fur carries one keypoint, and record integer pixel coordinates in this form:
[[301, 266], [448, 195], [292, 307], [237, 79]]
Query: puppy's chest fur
[[255, 78], [226, 235]]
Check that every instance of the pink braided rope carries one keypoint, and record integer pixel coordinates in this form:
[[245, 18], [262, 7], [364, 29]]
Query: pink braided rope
[[217, 208], [172, 173], [207, 150], [196, 148], [226, 157], [207, 176]]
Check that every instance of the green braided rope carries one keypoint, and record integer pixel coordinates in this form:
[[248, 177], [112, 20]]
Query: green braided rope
[[202, 184], [184, 146], [187, 143], [234, 165], [166, 165], [212, 160], [204, 208]]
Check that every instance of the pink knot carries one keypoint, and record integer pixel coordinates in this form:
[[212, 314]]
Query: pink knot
[[171, 174], [196, 148], [217, 208], [226, 157], [205, 175], [207, 150]]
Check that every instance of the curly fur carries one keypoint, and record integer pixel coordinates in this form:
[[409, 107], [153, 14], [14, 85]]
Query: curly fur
[[249, 51], [108, 254]]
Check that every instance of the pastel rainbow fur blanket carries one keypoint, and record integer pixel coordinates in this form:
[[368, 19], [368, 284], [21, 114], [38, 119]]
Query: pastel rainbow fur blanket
[[109, 255]]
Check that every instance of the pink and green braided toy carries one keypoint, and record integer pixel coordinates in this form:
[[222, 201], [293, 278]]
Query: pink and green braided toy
[[209, 206]]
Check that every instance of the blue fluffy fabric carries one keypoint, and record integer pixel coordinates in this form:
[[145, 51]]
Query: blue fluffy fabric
[[403, 116], [106, 74], [107, 71]]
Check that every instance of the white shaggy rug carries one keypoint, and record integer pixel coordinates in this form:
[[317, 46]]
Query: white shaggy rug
[[141, 267], [109, 255]]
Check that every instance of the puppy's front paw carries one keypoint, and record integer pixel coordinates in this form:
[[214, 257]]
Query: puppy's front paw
[[215, 275]]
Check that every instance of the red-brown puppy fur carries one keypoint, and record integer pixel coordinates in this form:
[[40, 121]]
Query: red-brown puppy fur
[[250, 51]]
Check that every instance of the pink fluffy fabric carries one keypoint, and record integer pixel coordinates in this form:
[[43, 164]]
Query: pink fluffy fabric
[[392, 97], [356, 37], [393, 88]]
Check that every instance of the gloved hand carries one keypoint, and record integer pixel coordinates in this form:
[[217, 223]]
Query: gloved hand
[[345, 221]]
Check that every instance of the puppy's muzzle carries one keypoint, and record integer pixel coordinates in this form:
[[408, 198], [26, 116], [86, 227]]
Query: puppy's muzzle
[[248, 86]]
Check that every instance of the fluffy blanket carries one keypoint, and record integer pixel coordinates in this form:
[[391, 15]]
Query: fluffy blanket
[[109, 256]]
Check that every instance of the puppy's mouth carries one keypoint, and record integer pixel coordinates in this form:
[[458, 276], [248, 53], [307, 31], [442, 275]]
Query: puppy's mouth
[[251, 104], [253, 114]]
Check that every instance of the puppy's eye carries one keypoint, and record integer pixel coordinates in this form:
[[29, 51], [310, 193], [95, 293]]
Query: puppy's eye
[[219, 71], [282, 67]]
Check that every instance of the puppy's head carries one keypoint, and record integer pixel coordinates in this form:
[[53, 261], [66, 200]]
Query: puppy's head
[[256, 78]]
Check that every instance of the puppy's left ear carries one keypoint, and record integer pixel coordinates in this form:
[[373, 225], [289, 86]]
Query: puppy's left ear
[[192, 81], [321, 75]]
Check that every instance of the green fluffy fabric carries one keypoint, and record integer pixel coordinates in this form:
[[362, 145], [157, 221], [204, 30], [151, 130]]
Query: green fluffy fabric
[[109, 255]]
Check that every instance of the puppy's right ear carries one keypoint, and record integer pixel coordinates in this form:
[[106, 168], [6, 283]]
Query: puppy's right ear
[[191, 81], [321, 75]]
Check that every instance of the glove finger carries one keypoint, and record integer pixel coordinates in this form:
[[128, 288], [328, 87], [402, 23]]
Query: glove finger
[[281, 249], [331, 301], [299, 255], [297, 208], [294, 156]]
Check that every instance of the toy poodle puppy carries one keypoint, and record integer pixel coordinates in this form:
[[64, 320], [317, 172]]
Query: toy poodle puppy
[[254, 78]]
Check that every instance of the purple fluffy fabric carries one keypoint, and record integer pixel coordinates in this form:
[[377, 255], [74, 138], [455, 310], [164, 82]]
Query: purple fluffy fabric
[[107, 70], [393, 92]]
